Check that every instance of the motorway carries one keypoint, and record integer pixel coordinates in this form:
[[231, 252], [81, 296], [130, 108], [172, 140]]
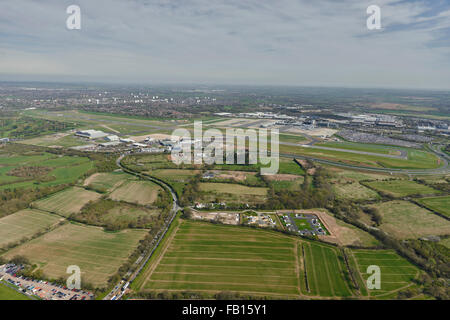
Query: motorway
[[121, 287]]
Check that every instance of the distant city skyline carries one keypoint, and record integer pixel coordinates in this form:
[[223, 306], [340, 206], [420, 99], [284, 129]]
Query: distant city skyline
[[238, 42]]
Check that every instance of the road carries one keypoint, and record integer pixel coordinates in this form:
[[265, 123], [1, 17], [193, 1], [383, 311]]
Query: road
[[119, 289]]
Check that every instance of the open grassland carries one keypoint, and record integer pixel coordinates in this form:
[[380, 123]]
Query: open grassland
[[205, 257], [209, 258], [54, 170], [396, 272], [67, 202], [129, 215], [99, 254], [232, 189], [139, 192], [6, 293], [24, 224], [289, 166], [281, 183], [62, 140], [291, 138], [325, 274], [106, 182], [438, 204], [401, 188], [343, 175], [405, 220], [174, 175], [365, 147], [91, 120], [417, 159], [354, 191], [231, 192]]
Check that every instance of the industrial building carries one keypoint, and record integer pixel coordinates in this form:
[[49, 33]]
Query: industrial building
[[91, 134]]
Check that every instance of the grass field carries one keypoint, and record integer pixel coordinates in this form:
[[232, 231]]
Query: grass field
[[396, 272], [283, 185], [139, 192], [417, 159], [354, 191], [99, 254], [324, 272], [25, 224], [128, 214], [210, 258], [177, 175], [232, 189], [59, 169], [401, 188], [64, 140], [66, 202], [374, 148], [107, 182], [231, 192], [7, 293], [438, 204], [217, 258], [404, 220]]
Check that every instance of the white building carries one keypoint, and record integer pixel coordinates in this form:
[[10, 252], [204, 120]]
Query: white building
[[91, 134], [112, 138]]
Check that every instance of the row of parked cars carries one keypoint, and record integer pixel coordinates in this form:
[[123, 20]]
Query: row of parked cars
[[41, 288]]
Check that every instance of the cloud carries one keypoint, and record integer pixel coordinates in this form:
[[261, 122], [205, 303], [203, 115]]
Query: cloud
[[285, 42]]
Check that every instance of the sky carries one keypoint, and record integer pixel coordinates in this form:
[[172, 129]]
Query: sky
[[253, 42]]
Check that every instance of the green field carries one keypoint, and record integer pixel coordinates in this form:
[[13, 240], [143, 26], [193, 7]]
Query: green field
[[417, 159], [366, 147], [99, 254], [210, 258], [405, 220], [90, 120], [117, 215], [354, 191], [325, 273], [232, 188], [55, 170], [396, 272], [107, 182], [139, 192], [401, 188], [438, 204], [64, 140], [25, 224], [231, 192], [7, 293], [66, 202]]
